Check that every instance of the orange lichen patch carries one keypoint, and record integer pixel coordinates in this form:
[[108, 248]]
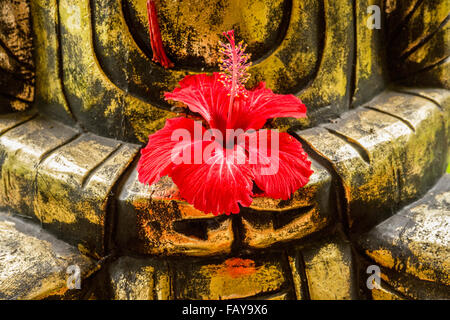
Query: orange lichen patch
[[57, 293], [156, 223], [233, 278], [382, 256], [160, 210], [187, 211], [19, 105], [152, 219], [237, 267], [165, 190]]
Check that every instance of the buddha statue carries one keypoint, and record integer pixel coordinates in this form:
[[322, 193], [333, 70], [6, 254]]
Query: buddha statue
[[80, 94]]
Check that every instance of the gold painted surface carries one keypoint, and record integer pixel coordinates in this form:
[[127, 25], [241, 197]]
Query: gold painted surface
[[159, 209], [17, 77], [330, 85], [371, 145], [74, 183], [437, 76], [411, 287], [397, 11], [100, 183], [299, 287], [343, 157], [416, 110], [441, 97], [229, 279], [416, 240], [420, 54], [15, 29], [151, 217], [85, 79], [16, 59], [423, 22], [384, 158], [265, 235], [18, 105], [8, 121], [22, 149], [191, 32], [369, 54], [319, 181], [329, 270], [149, 279], [432, 51], [139, 279], [260, 225], [155, 212], [9, 64], [66, 169], [301, 44], [49, 88], [432, 239], [33, 262], [63, 183], [310, 58], [116, 37], [384, 293], [194, 28]]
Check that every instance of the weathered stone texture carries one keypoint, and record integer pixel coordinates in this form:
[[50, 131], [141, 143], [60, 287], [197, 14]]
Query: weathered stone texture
[[411, 287], [418, 47], [416, 239], [73, 188], [95, 73], [140, 279], [94, 60], [22, 149], [386, 154], [16, 61], [385, 293], [154, 220], [329, 270], [370, 65], [9, 121], [33, 263], [63, 179], [310, 209], [229, 279], [324, 270], [50, 95], [217, 279]]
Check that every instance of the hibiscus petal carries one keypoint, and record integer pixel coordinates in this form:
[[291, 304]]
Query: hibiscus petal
[[219, 184], [279, 164], [164, 145], [262, 104], [206, 95]]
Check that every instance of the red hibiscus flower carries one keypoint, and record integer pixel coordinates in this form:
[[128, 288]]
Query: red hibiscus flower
[[217, 167]]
